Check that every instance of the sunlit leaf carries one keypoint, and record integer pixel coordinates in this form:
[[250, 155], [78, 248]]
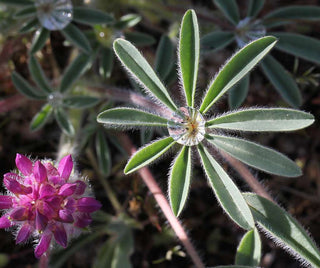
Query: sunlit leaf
[[239, 92], [148, 154], [130, 117], [283, 229], [216, 40], [256, 155], [179, 180], [41, 117], [282, 81], [236, 68], [229, 9], [226, 191], [263, 119], [189, 49]]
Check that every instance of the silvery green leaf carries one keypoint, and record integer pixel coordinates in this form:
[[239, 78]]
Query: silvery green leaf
[[139, 39], [254, 7], [256, 155], [64, 121], [38, 75], [80, 102], [295, 12], [127, 21], [106, 62], [103, 153], [226, 191], [29, 26], [26, 12], [216, 40], [91, 16], [263, 119], [239, 92], [229, 9], [39, 40], [164, 60]]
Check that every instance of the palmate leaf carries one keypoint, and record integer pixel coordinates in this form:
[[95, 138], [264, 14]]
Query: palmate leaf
[[226, 191], [236, 68], [256, 155], [299, 45], [249, 249], [283, 229], [261, 119], [216, 40], [41, 117], [189, 49], [164, 60], [130, 117], [38, 75], [39, 40], [230, 10], [91, 16], [179, 180], [142, 71], [302, 12], [282, 81], [148, 154], [239, 92], [254, 7]]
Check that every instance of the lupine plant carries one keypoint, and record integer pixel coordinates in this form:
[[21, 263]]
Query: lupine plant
[[249, 28], [196, 133]]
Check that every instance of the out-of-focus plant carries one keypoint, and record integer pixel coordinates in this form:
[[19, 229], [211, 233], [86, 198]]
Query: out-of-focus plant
[[51, 15], [250, 28], [189, 128]]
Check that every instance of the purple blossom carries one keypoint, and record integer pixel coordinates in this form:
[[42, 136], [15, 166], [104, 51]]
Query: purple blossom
[[46, 202]]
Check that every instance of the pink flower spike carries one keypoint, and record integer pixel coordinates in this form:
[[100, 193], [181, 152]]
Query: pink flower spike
[[5, 222], [19, 214], [83, 220], [11, 183], [39, 172], [41, 221], [60, 236], [88, 204], [66, 216], [46, 190], [81, 187], [5, 202], [67, 189], [43, 245], [24, 164], [65, 167], [23, 234]]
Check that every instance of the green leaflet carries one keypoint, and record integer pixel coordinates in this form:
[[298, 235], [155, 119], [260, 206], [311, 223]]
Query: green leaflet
[[64, 122], [261, 119], [283, 228], [130, 117], [25, 88], [254, 7], [91, 16], [256, 155], [26, 12], [103, 153], [127, 21], [106, 62], [226, 191], [189, 54], [164, 61], [29, 26], [303, 12], [17, 2], [216, 40], [282, 81], [38, 75], [75, 36], [299, 45], [148, 154], [236, 68], [78, 66], [139, 39], [179, 180], [239, 92], [39, 40], [140, 68], [39, 120], [80, 102], [229, 9], [249, 249]]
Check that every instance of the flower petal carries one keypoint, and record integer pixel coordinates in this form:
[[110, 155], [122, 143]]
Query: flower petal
[[41, 221], [66, 215], [5, 222], [43, 245], [19, 214], [67, 189], [88, 204], [81, 187], [23, 234], [11, 183], [39, 172], [24, 164], [65, 167], [83, 220], [5, 202], [60, 236], [47, 190]]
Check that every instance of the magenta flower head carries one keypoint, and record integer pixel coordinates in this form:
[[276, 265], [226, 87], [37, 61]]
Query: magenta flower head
[[44, 202]]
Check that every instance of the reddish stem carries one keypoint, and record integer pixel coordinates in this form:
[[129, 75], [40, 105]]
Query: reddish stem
[[163, 204]]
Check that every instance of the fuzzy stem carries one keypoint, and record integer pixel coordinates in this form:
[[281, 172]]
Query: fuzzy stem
[[161, 200], [254, 184]]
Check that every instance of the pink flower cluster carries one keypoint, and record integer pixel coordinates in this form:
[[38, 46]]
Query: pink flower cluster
[[44, 202]]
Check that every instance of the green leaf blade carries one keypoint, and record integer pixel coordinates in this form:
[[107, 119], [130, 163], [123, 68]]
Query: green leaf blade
[[40, 119], [148, 154], [106, 62], [17, 2], [142, 71], [216, 40], [259, 119], [249, 249], [130, 117], [189, 49], [39, 40], [302, 12], [254, 7], [80, 102], [236, 68], [256, 155], [283, 228], [226, 191], [179, 180], [239, 92], [127, 21], [91, 16], [64, 122], [103, 153], [230, 9], [140, 39], [164, 61], [282, 81], [38, 75], [26, 12], [305, 47]]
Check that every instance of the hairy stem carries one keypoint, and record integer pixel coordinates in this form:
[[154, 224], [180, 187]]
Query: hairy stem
[[161, 200]]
